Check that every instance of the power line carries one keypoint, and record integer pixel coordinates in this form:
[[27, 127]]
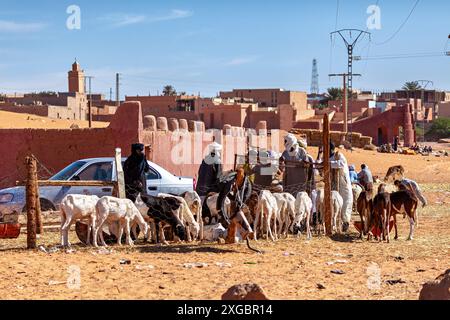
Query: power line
[[337, 15], [402, 56], [401, 26], [332, 39]]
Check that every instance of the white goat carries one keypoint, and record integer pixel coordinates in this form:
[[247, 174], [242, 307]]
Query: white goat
[[77, 207], [211, 202], [286, 209], [195, 204], [267, 210], [337, 204], [336, 208], [124, 212], [186, 216], [303, 206]]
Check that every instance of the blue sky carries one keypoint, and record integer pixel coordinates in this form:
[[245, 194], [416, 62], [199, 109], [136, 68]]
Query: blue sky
[[206, 46]]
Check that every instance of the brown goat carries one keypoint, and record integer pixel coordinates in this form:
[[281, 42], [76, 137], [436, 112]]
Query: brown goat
[[404, 202], [364, 207], [382, 212], [393, 172]]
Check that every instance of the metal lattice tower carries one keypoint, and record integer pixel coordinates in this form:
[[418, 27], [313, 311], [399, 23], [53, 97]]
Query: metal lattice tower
[[315, 78], [348, 35]]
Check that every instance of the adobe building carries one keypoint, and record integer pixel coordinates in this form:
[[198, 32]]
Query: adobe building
[[443, 110], [217, 112], [273, 98], [71, 105]]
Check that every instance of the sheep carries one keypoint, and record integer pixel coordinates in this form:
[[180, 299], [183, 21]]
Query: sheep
[[303, 206], [286, 208], [185, 215], [336, 208], [123, 211], [77, 207], [267, 210]]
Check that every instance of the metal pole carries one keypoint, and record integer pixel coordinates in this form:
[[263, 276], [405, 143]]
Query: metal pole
[[117, 90], [345, 104], [90, 103]]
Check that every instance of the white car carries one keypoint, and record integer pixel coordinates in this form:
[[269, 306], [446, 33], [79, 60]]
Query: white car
[[159, 180]]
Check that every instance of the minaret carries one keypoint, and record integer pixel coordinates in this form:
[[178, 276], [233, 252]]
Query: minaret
[[76, 79]]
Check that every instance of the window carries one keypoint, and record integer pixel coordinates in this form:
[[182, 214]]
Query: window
[[152, 175], [68, 171], [97, 172]]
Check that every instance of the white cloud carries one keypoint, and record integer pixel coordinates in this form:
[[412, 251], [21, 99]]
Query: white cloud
[[122, 20], [173, 15], [11, 26], [240, 61]]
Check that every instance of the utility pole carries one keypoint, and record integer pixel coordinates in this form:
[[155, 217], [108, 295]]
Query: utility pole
[[90, 100], [350, 42], [345, 95], [117, 89]]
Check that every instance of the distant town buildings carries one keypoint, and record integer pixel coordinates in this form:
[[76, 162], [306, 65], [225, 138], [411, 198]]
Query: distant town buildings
[[71, 105], [381, 116]]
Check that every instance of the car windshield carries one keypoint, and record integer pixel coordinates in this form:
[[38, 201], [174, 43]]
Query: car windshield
[[68, 172]]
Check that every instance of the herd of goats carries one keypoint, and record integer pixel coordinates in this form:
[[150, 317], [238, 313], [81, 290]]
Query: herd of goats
[[245, 214]]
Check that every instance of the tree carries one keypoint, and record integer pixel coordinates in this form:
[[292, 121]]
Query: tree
[[334, 94], [440, 129], [169, 91], [412, 86]]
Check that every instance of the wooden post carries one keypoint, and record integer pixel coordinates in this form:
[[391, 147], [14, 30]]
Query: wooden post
[[120, 175], [326, 174], [31, 202], [39, 224]]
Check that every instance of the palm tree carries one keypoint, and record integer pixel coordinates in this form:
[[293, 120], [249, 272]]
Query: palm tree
[[412, 86], [169, 91]]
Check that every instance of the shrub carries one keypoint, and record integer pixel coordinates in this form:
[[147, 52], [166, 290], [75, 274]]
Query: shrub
[[440, 128]]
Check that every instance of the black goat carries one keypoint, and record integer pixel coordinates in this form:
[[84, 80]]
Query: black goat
[[164, 210]]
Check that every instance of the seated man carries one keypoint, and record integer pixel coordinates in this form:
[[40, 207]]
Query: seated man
[[353, 174], [365, 177], [413, 187]]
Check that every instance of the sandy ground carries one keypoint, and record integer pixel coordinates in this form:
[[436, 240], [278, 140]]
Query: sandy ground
[[10, 120], [289, 269]]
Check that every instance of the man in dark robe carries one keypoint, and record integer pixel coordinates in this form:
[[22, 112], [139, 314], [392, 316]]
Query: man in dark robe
[[135, 168], [209, 172]]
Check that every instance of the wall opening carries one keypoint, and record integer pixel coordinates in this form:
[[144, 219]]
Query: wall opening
[[382, 136]]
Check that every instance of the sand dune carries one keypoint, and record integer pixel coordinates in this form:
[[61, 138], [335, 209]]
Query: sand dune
[[11, 120]]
